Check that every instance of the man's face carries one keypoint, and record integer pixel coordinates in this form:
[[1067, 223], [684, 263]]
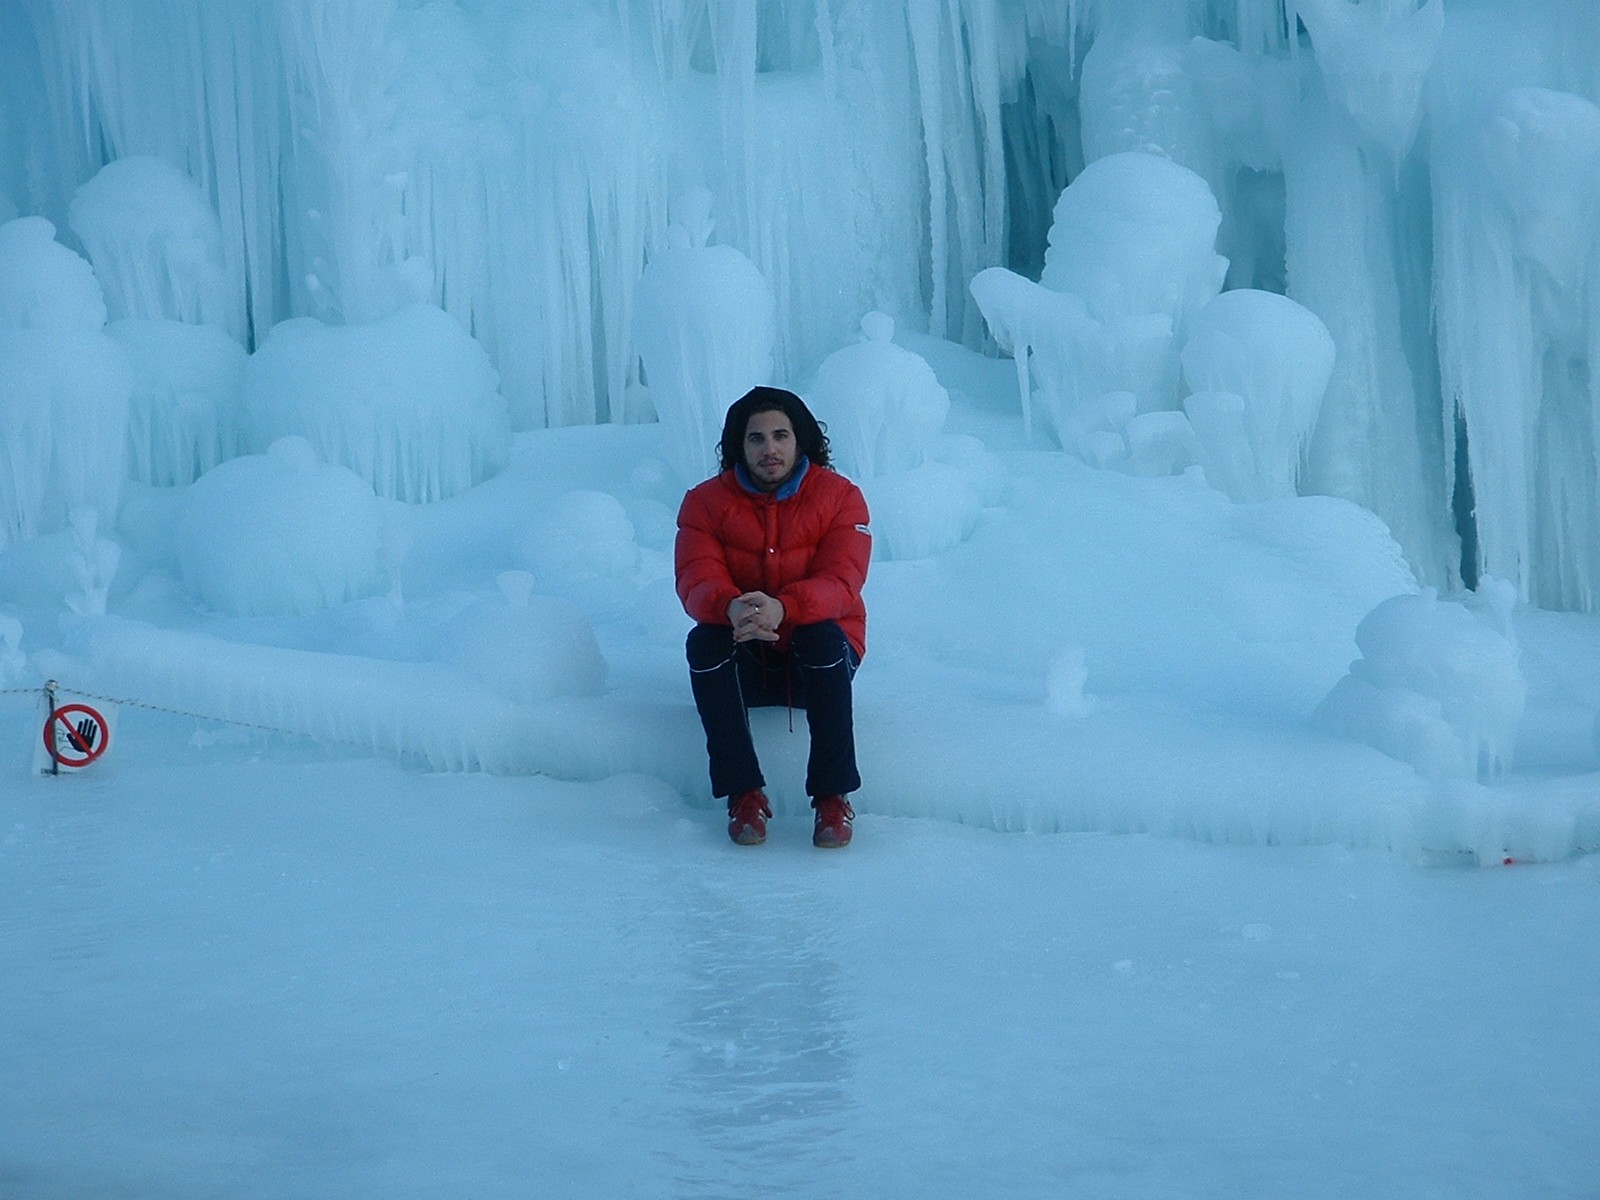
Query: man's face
[[770, 450]]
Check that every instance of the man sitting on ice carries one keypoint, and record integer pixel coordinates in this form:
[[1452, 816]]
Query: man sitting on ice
[[771, 557]]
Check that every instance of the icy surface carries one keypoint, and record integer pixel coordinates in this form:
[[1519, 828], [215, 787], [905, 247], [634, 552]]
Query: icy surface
[[492, 981], [410, 402]]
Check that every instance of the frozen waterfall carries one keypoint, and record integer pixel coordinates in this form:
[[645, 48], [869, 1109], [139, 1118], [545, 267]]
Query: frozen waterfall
[[1417, 174]]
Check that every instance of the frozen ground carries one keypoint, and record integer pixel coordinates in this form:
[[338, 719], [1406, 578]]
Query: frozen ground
[[239, 969]]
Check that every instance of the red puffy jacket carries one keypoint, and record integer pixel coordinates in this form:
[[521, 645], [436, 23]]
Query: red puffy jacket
[[810, 550]]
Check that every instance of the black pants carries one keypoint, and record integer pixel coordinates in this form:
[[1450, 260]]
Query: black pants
[[729, 678]]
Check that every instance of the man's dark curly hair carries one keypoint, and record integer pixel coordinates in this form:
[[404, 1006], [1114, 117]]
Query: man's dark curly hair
[[810, 435]]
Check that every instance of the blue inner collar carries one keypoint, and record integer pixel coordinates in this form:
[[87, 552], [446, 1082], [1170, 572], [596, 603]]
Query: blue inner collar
[[790, 486]]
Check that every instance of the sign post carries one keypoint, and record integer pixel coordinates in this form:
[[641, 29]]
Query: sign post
[[75, 733]]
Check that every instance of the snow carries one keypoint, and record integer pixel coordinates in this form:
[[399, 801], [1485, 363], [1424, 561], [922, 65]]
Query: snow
[[1230, 725]]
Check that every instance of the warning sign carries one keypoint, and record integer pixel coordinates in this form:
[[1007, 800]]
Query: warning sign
[[75, 735]]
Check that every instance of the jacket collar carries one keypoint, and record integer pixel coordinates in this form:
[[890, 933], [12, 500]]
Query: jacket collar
[[790, 485]]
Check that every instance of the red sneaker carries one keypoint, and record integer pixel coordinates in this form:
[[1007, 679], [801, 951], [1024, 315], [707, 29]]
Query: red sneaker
[[834, 815], [747, 817]]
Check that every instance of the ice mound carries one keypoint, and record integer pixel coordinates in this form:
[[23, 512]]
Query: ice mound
[[1135, 234], [1374, 56], [579, 544], [1437, 685], [184, 411], [409, 402], [528, 648], [43, 285], [1276, 356], [705, 323], [279, 534], [884, 410], [155, 242], [882, 404]]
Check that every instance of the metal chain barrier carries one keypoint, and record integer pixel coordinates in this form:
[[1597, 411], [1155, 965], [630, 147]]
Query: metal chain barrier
[[52, 687]]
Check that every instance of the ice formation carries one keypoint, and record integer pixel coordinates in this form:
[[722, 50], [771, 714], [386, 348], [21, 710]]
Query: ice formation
[[1519, 317], [93, 563], [1276, 356], [279, 534], [409, 402], [1131, 263], [183, 415], [528, 648], [1437, 684], [704, 325], [155, 243], [513, 164]]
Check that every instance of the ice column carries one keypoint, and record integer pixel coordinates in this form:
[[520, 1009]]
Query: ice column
[[1519, 332]]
